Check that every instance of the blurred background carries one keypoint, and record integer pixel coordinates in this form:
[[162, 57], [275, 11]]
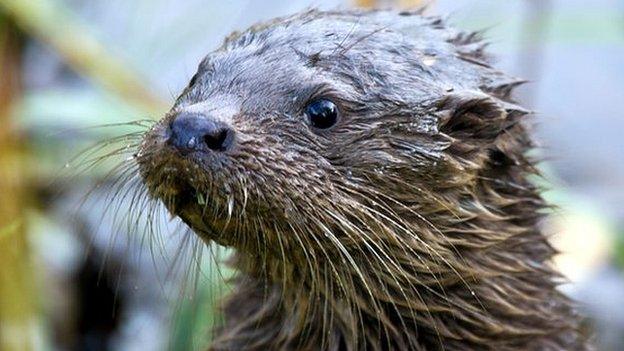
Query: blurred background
[[75, 276]]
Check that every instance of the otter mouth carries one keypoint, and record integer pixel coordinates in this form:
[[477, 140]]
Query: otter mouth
[[192, 207], [185, 196]]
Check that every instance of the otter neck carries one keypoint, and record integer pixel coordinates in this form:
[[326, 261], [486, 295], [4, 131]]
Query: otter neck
[[501, 276]]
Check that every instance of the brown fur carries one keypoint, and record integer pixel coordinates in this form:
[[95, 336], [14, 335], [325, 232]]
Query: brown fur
[[412, 224]]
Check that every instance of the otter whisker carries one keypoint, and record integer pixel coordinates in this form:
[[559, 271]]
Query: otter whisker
[[405, 226], [374, 248]]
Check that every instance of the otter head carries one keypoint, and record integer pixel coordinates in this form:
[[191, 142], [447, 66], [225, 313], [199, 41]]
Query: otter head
[[372, 162], [335, 131]]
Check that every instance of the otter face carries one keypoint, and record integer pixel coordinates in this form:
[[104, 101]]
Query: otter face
[[315, 124], [369, 168]]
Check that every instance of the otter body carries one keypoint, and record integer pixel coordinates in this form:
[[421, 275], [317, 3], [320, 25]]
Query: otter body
[[370, 171]]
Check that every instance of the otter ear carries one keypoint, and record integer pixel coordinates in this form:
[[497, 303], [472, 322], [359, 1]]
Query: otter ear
[[475, 115]]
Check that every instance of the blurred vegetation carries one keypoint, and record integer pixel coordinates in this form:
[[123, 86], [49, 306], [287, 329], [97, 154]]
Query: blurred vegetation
[[121, 94], [51, 23], [17, 296], [619, 248], [47, 22]]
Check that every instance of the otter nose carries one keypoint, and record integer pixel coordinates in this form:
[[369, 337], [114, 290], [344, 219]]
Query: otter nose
[[193, 132]]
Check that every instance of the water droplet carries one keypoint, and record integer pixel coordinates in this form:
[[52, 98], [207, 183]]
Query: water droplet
[[230, 206], [67, 165], [191, 143], [429, 61]]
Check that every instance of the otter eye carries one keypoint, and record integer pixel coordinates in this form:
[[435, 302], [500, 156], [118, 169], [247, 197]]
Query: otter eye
[[322, 113]]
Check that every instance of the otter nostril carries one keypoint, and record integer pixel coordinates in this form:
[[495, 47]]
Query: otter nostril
[[195, 132], [217, 140]]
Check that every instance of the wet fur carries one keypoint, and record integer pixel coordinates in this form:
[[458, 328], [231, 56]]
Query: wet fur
[[412, 224]]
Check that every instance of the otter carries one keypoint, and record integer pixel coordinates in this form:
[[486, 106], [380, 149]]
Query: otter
[[372, 173]]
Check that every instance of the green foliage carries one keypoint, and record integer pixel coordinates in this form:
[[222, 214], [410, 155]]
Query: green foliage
[[618, 251], [196, 316]]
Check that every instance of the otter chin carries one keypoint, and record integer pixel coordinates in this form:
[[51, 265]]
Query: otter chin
[[371, 172]]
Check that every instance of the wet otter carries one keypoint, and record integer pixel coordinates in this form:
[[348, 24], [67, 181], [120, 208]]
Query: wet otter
[[370, 170]]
